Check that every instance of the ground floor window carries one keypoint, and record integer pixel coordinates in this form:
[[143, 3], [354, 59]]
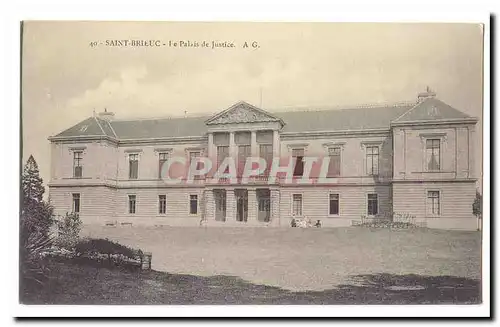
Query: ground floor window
[[297, 205], [193, 204], [76, 202], [372, 204], [131, 203], [433, 203], [162, 204], [334, 204]]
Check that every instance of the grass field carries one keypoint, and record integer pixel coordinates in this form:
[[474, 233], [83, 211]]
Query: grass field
[[276, 266], [304, 259]]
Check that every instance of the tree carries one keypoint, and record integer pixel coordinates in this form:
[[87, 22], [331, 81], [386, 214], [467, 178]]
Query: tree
[[35, 222], [477, 206], [36, 214]]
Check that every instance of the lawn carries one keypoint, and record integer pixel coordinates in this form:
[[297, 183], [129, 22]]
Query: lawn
[[304, 259], [278, 266]]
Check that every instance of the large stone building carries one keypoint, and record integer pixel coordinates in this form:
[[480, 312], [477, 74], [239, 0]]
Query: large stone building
[[415, 158]]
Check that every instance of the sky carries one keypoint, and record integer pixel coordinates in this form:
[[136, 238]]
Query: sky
[[294, 65]]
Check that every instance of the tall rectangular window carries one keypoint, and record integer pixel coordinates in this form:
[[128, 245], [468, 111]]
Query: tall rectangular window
[[163, 158], [372, 204], [77, 164], [76, 202], [244, 151], [334, 204], [433, 153], [298, 156], [131, 203], [372, 160], [194, 156], [334, 165], [193, 204], [297, 204], [162, 204], [266, 152], [222, 153], [133, 162], [433, 203]]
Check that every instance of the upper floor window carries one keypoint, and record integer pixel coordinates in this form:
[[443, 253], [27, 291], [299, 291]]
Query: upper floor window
[[163, 158], [372, 160], [133, 160], [222, 153], [266, 153], [433, 153], [76, 203], [298, 156], [77, 164], [372, 204], [334, 165]]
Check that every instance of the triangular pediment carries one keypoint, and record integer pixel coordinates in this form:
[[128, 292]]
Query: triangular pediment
[[242, 112]]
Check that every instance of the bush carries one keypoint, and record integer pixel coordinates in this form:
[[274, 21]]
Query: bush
[[68, 231], [103, 248]]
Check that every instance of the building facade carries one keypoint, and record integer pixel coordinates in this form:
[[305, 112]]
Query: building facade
[[415, 158]]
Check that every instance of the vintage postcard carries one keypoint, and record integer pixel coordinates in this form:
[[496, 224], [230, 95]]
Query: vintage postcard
[[239, 163]]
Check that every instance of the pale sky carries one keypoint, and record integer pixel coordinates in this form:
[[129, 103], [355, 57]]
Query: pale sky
[[296, 65]]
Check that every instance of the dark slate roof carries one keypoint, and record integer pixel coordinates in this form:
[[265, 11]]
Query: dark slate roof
[[431, 109], [295, 121], [88, 127], [341, 119], [153, 128]]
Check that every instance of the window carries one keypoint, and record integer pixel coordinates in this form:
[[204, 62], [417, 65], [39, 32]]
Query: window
[[334, 204], [195, 156], [298, 156], [163, 158], [244, 151], [77, 164], [131, 203], [162, 204], [297, 205], [372, 204], [76, 202], [372, 157], [334, 165], [133, 160], [222, 153], [433, 153], [193, 204], [266, 152], [433, 203]]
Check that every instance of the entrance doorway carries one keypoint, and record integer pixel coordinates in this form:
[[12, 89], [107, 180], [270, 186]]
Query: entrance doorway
[[264, 201], [220, 205], [241, 205]]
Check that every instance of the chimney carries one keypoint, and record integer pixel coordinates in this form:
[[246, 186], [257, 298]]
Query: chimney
[[422, 96], [109, 116]]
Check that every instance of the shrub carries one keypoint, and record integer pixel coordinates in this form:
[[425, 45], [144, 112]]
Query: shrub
[[68, 231], [103, 248]]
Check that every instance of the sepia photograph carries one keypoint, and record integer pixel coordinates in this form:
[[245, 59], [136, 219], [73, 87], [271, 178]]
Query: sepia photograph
[[251, 163]]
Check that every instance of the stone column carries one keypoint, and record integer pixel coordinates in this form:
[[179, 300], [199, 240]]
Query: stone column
[[233, 151], [230, 205], [275, 207], [252, 205], [276, 143], [209, 205], [253, 144], [211, 148]]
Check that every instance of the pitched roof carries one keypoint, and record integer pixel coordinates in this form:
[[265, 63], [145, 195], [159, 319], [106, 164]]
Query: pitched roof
[[341, 119], [87, 127], [295, 121], [431, 109]]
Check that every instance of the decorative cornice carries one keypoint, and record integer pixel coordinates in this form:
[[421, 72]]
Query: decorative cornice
[[468, 120]]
